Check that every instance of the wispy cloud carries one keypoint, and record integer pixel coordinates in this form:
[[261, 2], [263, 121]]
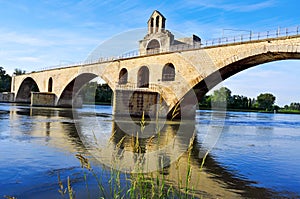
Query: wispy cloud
[[13, 37], [28, 59], [237, 7]]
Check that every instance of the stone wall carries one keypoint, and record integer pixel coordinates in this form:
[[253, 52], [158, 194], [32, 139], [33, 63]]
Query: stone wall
[[134, 103], [7, 97], [42, 99]]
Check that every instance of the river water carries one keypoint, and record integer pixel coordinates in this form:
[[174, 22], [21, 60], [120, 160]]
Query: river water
[[252, 155]]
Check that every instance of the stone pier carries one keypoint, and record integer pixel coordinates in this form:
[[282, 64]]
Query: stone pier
[[135, 103], [45, 99], [7, 97]]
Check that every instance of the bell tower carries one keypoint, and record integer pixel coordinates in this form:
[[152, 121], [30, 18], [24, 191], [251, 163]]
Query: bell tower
[[158, 39], [156, 23]]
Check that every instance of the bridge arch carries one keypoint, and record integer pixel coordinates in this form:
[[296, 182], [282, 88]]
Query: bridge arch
[[28, 85], [69, 93], [239, 62], [143, 77]]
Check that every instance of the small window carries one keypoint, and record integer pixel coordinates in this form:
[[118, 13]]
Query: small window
[[168, 73]]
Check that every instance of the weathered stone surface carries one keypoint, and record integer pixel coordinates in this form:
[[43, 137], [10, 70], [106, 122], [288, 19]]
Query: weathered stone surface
[[7, 97], [42, 99]]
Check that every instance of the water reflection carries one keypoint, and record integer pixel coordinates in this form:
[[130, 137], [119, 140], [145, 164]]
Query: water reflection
[[122, 144]]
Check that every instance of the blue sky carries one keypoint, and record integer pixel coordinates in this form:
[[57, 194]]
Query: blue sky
[[36, 34]]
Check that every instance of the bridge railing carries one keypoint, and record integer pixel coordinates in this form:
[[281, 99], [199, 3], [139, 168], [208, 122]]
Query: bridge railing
[[251, 36], [134, 86]]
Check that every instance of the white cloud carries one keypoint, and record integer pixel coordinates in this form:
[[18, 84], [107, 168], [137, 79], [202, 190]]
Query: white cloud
[[234, 6], [11, 37], [28, 59]]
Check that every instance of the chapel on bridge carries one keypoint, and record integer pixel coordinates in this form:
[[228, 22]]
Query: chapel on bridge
[[159, 40]]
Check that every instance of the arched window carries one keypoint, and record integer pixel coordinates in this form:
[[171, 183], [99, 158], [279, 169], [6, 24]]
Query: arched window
[[153, 47], [50, 84], [157, 23], [143, 77], [168, 73], [123, 76], [151, 25]]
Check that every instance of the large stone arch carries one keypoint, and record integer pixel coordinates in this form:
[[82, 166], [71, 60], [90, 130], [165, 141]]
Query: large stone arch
[[234, 64], [27, 86], [68, 94]]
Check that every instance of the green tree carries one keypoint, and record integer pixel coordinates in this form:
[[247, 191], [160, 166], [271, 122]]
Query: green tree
[[221, 97], [266, 101], [205, 101], [294, 106], [19, 71], [93, 92], [5, 81], [239, 101], [103, 93]]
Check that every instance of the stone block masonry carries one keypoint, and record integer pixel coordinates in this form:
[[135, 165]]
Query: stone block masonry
[[135, 103], [44, 99]]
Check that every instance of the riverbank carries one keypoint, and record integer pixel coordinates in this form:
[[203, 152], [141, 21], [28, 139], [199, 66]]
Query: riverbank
[[281, 111]]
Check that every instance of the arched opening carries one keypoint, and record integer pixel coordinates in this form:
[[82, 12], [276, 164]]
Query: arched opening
[[123, 76], [153, 47], [24, 93], [151, 25], [157, 24], [143, 77], [86, 88], [205, 85], [168, 73], [50, 84]]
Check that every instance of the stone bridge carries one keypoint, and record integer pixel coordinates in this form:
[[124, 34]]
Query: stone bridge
[[167, 71]]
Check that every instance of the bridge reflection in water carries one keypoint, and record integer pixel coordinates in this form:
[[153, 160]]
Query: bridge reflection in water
[[107, 142]]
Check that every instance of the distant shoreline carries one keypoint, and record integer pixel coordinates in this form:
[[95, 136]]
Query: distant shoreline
[[256, 111]]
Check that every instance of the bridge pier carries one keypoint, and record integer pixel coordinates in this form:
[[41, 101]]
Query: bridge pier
[[7, 97], [45, 99], [130, 103]]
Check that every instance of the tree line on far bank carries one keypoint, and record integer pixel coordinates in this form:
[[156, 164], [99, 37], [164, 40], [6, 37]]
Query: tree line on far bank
[[223, 97], [263, 102], [5, 79]]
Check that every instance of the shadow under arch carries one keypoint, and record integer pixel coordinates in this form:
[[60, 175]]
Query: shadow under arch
[[206, 84], [69, 97], [24, 93]]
